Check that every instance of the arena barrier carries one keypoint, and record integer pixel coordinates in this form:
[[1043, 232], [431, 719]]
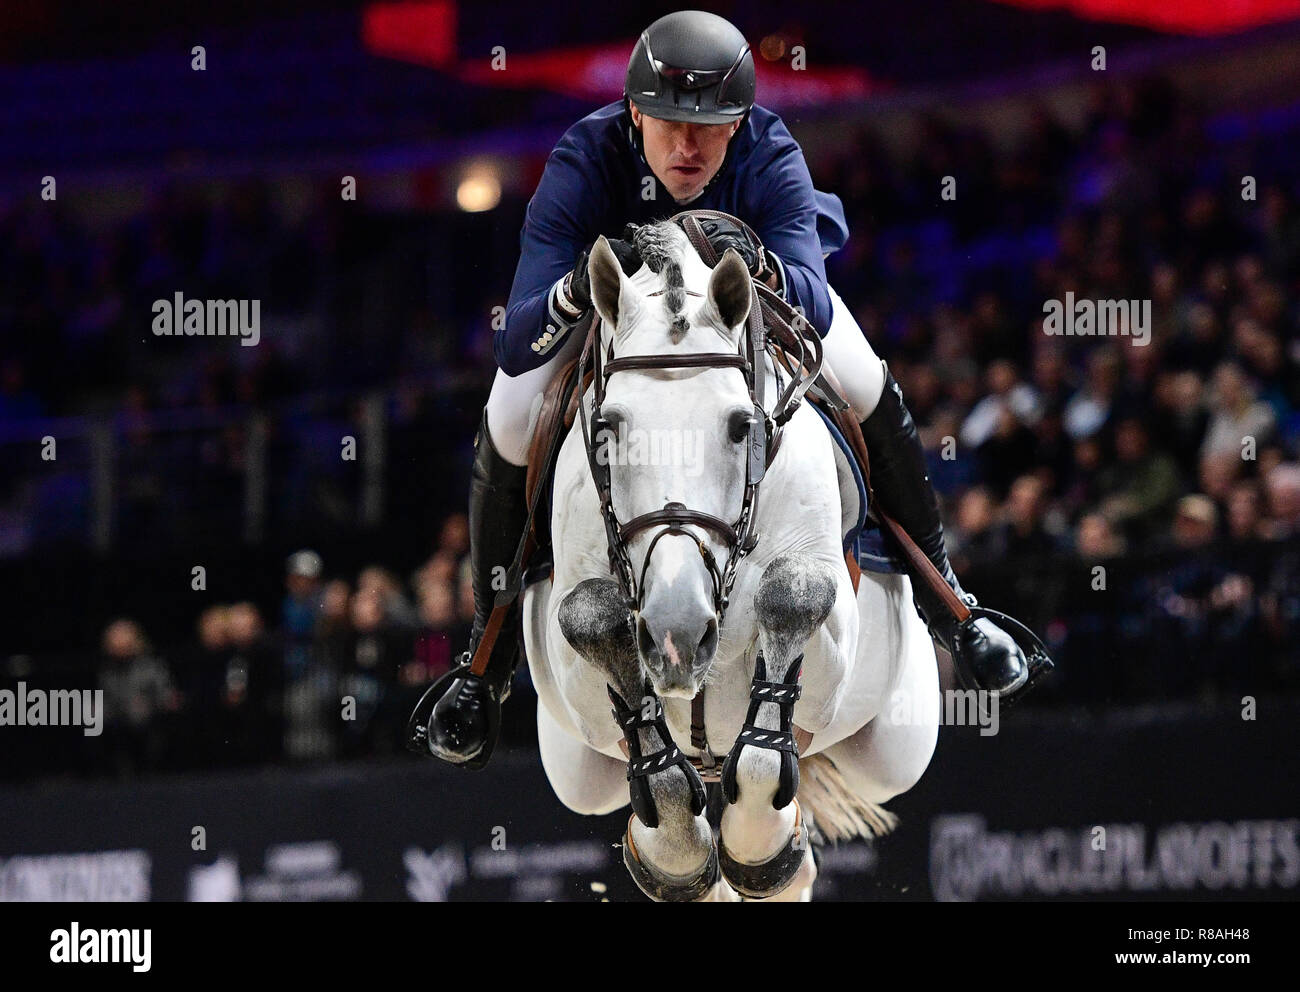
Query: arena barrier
[[1187, 804]]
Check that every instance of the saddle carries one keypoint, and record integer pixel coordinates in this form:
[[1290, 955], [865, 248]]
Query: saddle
[[559, 409]]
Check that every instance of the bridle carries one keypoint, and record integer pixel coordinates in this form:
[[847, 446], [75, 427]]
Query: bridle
[[771, 322]]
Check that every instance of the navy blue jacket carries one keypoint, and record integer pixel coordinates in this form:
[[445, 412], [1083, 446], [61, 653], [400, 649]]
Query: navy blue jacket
[[593, 183]]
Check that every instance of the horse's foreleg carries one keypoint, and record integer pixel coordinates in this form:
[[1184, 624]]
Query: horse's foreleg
[[765, 851], [668, 847]]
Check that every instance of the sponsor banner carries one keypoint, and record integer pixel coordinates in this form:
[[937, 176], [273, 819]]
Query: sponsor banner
[[1186, 805], [92, 876]]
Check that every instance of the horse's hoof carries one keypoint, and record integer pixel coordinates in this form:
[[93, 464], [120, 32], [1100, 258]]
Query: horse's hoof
[[662, 889], [773, 876]]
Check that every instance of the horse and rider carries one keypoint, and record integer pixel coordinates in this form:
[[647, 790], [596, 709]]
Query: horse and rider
[[687, 136]]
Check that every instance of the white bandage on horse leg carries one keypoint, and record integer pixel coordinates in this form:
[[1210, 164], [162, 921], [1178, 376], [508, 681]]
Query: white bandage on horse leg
[[860, 372]]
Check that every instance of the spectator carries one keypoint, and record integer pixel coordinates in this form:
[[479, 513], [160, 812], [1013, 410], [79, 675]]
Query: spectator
[[1007, 395], [201, 681], [440, 633], [397, 608], [1195, 523], [1179, 417], [1141, 487], [1236, 417], [971, 535], [303, 585], [334, 610], [1283, 487], [138, 695], [1089, 409], [310, 670], [1024, 535], [1245, 512], [454, 537], [1096, 539], [365, 670], [251, 690]]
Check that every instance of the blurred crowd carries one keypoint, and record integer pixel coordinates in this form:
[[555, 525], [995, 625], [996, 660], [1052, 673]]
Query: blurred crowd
[[76, 299], [1173, 464], [333, 675], [1172, 456]]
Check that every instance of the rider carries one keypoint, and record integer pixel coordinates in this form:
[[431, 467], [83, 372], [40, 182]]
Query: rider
[[687, 134]]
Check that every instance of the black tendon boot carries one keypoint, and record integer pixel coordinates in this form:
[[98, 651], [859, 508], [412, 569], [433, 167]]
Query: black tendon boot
[[459, 717], [985, 656]]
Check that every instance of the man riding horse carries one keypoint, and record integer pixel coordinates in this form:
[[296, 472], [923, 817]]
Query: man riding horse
[[687, 132]]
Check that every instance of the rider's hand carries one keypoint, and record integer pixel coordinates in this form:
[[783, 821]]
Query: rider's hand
[[723, 234], [577, 285]]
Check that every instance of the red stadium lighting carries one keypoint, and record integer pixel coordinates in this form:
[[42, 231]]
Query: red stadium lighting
[[1201, 17], [417, 32]]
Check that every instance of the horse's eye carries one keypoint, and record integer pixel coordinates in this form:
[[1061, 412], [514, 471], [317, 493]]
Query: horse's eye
[[615, 417], [738, 425]]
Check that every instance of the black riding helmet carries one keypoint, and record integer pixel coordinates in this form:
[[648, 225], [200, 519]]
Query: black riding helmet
[[691, 66]]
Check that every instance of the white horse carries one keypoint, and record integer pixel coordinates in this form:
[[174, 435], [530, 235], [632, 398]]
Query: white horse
[[792, 597]]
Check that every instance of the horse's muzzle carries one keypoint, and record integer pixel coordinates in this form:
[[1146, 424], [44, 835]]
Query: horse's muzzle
[[677, 655]]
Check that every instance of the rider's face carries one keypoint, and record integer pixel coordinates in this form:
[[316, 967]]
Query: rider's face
[[682, 155]]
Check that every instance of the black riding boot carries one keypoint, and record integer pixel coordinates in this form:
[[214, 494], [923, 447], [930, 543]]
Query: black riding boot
[[464, 722], [985, 656]]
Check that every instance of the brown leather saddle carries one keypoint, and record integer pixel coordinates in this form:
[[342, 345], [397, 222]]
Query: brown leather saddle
[[559, 409]]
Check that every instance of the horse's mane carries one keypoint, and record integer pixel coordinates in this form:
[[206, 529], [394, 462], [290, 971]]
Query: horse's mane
[[661, 246]]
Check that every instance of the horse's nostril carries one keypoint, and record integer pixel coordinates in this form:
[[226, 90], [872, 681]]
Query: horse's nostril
[[708, 643], [645, 644]]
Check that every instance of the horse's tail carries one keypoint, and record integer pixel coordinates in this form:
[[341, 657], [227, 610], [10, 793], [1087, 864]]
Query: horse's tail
[[838, 812]]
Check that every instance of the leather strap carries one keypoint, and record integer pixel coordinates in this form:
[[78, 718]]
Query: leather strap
[[855, 570], [699, 739], [707, 360], [478, 666], [676, 513]]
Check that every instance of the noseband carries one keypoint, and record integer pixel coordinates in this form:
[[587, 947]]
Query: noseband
[[785, 328]]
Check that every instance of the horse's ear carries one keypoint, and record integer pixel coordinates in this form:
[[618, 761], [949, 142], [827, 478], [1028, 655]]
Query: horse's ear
[[606, 281], [729, 290]]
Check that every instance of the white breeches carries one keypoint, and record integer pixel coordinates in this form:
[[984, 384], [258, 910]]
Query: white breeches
[[515, 401]]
